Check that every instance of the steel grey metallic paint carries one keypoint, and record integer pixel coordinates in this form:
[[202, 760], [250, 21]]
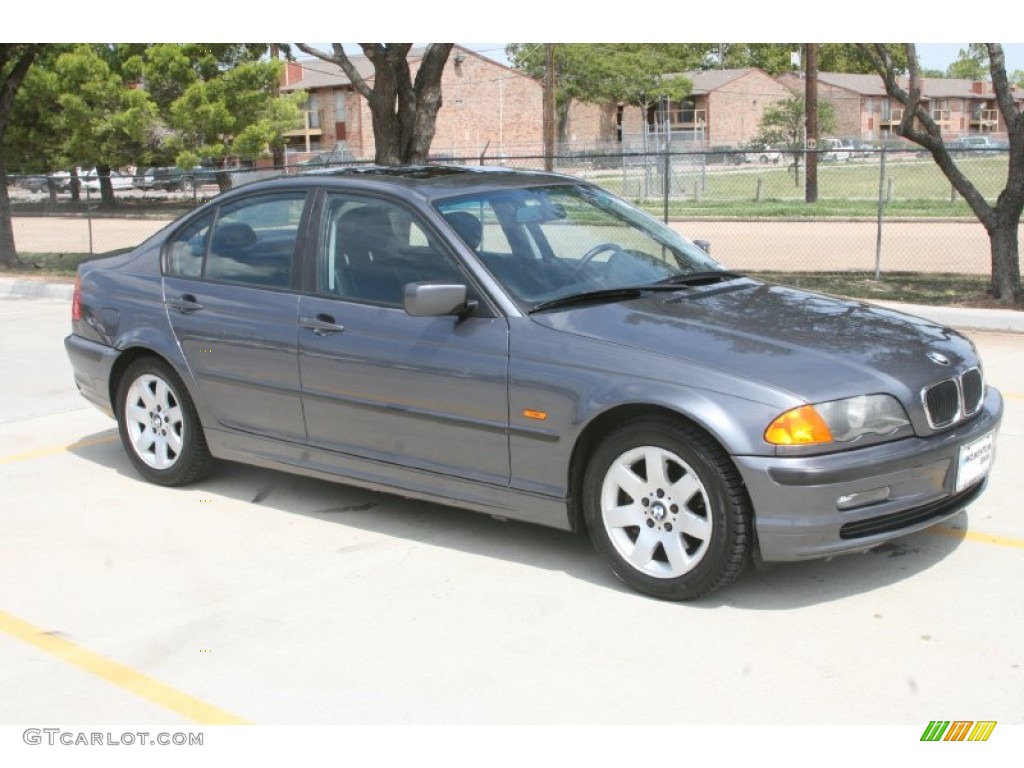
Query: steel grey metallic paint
[[433, 407]]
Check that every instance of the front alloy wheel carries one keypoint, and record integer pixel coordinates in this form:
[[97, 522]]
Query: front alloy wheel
[[666, 508], [655, 512]]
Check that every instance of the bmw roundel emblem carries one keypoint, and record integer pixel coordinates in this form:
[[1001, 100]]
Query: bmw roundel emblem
[[938, 358]]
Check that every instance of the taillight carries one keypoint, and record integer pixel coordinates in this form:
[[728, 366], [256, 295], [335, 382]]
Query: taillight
[[76, 301]]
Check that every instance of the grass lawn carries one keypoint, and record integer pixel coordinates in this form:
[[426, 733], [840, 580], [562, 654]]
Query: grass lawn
[[911, 187], [938, 289]]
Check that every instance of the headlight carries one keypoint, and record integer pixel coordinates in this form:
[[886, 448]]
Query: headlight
[[838, 421]]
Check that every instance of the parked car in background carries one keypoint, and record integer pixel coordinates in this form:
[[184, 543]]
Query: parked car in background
[[118, 181], [337, 156], [175, 179], [761, 153], [967, 146], [529, 346], [837, 150], [32, 183]]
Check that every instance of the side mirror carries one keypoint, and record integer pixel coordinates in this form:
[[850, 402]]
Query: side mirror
[[436, 300], [704, 245]]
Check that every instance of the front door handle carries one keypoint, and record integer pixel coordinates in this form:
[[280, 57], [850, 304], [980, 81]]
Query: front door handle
[[321, 325], [186, 304]]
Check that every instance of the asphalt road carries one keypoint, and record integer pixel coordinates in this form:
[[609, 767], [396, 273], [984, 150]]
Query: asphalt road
[[263, 597]]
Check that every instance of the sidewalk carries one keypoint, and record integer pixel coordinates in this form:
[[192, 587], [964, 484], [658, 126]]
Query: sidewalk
[[962, 318]]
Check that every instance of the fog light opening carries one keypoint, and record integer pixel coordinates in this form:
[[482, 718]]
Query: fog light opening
[[862, 498]]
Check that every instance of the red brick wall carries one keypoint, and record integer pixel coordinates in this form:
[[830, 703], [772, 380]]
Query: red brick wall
[[736, 108], [484, 105]]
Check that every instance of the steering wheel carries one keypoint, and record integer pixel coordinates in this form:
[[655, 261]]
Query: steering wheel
[[597, 250]]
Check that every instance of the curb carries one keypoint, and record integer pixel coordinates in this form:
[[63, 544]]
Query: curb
[[962, 318], [35, 288]]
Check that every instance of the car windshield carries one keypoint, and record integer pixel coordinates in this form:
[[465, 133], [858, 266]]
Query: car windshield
[[554, 242]]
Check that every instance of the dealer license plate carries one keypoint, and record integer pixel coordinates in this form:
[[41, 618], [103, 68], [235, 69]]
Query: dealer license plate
[[975, 461]]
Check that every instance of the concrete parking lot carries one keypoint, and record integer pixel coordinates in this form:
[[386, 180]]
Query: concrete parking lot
[[262, 597]]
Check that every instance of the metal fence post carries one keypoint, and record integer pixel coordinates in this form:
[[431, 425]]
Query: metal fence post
[[881, 206], [88, 215], [667, 181]]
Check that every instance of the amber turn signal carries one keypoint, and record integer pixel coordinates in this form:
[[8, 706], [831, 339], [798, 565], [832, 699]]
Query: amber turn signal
[[800, 426]]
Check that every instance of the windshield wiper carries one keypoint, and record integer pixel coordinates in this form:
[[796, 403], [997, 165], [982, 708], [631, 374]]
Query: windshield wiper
[[625, 293], [606, 294], [699, 278]]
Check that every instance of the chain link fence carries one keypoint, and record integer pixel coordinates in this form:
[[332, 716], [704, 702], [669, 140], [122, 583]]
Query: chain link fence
[[879, 211]]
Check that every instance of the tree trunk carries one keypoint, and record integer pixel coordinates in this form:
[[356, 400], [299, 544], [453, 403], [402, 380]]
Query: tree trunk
[[8, 253], [1006, 260], [106, 188], [223, 177], [75, 185], [404, 111]]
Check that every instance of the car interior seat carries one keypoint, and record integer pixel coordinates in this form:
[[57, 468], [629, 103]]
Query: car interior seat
[[468, 226], [366, 250]]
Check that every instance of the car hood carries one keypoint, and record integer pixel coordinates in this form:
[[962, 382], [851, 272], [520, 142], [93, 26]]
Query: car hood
[[813, 346]]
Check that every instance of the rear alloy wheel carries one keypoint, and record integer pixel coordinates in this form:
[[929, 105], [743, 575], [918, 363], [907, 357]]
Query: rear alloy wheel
[[666, 508], [158, 424]]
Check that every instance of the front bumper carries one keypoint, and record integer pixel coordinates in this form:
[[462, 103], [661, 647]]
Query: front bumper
[[92, 363], [796, 500]]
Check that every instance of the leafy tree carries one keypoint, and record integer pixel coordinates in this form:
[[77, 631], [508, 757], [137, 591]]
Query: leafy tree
[[106, 123], [783, 125], [638, 74], [404, 109], [217, 102], [1017, 78], [16, 59], [971, 63], [1001, 220]]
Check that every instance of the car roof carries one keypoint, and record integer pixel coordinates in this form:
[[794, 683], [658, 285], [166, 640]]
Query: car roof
[[426, 181]]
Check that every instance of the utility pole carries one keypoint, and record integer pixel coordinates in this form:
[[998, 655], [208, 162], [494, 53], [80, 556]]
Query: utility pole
[[811, 102], [549, 107]]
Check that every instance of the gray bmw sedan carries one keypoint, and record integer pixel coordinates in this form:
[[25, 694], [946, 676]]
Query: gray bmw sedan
[[530, 346]]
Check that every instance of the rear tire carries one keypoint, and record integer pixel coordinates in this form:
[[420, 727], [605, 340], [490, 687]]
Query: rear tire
[[159, 426], [667, 510]]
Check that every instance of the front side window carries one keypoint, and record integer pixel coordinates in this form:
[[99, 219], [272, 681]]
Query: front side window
[[371, 249], [546, 243]]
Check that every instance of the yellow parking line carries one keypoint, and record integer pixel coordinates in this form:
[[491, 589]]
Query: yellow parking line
[[118, 674], [52, 449], [983, 538]]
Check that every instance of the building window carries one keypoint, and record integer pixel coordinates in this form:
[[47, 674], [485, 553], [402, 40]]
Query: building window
[[313, 105], [339, 106]]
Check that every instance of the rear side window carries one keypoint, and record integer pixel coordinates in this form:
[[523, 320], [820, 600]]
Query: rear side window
[[188, 250], [250, 242]]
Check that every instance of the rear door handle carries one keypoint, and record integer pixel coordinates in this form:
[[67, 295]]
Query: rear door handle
[[321, 325], [186, 304]]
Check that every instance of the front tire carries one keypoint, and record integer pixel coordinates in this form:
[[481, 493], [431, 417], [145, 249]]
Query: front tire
[[667, 510], [159, 426]]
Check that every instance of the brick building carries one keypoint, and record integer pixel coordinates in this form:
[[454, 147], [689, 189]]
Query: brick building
[[724, 108], [486, 105], [865, 111]]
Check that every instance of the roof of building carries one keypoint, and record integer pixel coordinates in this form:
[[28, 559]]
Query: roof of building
[[708, 80], [932, 87]]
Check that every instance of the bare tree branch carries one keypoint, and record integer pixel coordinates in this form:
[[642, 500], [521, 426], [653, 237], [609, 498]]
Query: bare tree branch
[[341, 58]]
